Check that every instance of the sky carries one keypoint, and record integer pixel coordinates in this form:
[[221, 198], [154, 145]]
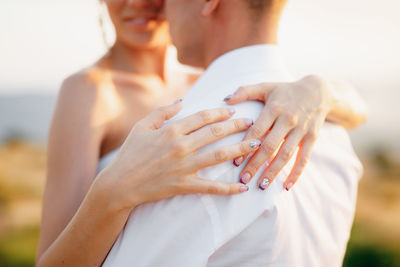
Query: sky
[[357, 41]]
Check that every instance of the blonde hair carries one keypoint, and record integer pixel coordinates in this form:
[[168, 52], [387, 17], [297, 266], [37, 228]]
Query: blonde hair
[[102, 23]]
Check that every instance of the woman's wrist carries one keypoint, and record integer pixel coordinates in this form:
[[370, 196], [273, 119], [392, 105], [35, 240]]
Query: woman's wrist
[[327, 91], [110, 193]]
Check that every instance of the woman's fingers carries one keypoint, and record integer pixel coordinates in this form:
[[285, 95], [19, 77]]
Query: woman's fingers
[[258, 130], [251, 92], [266, 153], [303, 155], [216, 131], [285, 153], [156, 119], [202, 186], [223, 154], [202, 118]]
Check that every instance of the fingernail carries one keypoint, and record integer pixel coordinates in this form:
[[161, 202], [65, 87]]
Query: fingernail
[[245, 178], [264, 184], [289, 185], [255, 143], [248, 122], [244, 188], [177, 101], [238, 161], [228, 97]]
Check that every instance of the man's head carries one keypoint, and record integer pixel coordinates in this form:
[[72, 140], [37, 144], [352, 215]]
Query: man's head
[[202, 30]]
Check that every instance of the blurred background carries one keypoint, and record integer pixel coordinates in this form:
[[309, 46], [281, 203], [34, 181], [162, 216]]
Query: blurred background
[[357, 41]]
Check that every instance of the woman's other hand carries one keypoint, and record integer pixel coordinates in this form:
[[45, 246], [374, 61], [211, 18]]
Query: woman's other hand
[[292, 117], [157, 162]]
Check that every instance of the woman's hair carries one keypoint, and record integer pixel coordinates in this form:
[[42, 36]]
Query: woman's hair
[[102, 23]]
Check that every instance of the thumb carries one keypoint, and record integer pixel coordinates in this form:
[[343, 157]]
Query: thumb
[[251, 92], [156, 119]]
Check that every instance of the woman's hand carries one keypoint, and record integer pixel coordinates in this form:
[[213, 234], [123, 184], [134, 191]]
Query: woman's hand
[[158, 162], [292, 117]]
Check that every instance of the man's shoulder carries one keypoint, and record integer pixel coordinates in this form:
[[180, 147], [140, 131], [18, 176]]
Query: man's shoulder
[[334, 148]]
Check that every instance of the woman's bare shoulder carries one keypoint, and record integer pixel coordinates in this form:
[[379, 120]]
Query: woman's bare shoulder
[[82, 90], [80, 102], [86, 81]]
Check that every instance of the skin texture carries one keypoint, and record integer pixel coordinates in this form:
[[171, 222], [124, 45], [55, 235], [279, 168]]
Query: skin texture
[[293, 113], [98, 110], [154, 157]]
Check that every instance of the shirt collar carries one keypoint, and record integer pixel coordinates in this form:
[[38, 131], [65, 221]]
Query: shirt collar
[[245, 60]]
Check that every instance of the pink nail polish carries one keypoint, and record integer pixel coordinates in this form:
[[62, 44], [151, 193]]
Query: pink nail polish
[[248, 122], [238, 161], [255, 143], [244, 188], [264, 184], [228, 97], [289, 185], [245, 178], [177, 101], [231, 111]]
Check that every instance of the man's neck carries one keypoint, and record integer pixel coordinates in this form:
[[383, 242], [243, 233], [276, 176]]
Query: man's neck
[[232, 31], [219, 50]]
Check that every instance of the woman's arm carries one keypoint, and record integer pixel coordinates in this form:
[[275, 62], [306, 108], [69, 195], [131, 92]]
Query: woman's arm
[[73, 149], [348, 108], [291, 119], [154, 163], [89, 235]]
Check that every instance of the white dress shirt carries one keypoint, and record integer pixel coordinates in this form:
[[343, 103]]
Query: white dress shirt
[[307, 226]]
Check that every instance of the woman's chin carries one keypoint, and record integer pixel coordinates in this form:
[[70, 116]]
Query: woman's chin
[[145, 43], [145, 40], [144, 36]]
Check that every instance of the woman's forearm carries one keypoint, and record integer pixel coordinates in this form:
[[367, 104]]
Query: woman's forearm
[[348, 108], [89, 235]]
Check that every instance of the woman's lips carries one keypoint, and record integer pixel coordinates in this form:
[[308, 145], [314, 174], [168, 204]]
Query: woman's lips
[[141, 22]]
